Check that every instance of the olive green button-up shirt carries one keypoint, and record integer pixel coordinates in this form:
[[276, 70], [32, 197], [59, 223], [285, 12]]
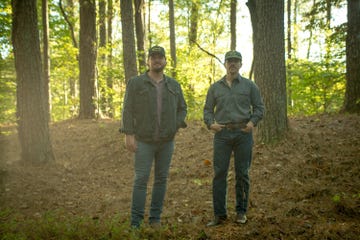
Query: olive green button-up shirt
[[241, 102]]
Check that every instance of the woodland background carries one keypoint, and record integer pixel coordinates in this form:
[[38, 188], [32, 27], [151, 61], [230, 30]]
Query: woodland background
[[64, 172]]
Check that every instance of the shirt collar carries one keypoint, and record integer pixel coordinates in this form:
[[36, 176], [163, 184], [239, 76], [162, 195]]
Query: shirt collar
[[238, 78]]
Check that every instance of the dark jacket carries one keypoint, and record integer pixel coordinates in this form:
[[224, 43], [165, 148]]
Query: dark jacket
[[139, 116]]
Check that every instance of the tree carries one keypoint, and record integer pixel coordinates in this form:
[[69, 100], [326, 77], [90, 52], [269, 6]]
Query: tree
[[194, 20], [352, 94], [46, 57], [233, 24], [172, 38], [32, 105], [140, 33], [267, 19], [87, 58], [128, 37], [109, 79]]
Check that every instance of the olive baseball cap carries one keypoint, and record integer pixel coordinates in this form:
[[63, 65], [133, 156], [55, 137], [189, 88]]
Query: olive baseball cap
[[233, 54], [157, 50]]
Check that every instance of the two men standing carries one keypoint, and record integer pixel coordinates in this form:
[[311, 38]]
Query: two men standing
[[154, 109]]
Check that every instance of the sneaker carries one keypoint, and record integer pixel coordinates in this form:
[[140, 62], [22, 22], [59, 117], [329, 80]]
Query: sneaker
[[241, 218], [216, 221]]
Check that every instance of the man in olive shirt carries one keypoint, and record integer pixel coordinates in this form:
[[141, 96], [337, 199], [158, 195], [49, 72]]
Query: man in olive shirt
[[233, 108]]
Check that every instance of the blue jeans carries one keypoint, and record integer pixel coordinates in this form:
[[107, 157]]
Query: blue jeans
[[225, 142], [146, 154]]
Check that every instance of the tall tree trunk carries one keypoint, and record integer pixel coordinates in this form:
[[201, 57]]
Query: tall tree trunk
[[233, 24], [128, 38], [312, 19], [289, 51], [269, 65], [102, 24], [109, 79], [32, 105], [172, 38], [140, 33], [67, 12], [101, 89], [352, 93], [295, 35], [194, 19], [149, 24], [289, 26], [87, 58], [46, 58]]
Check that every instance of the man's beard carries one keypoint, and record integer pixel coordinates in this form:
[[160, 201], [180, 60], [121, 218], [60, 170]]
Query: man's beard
[[158, 69]]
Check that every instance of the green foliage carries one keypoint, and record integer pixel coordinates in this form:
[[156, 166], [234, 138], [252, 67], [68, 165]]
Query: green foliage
[[7, 90], [5, 28], [315, 87]]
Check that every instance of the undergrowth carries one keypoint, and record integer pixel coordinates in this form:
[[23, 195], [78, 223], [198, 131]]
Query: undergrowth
[[59, 226]]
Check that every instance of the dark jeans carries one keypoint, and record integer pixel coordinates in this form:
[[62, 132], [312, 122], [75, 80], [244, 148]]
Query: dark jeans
[[146, 154], [225, 142]]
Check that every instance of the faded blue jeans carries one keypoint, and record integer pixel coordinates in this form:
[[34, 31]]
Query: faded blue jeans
[[145, 155], [225, 142]]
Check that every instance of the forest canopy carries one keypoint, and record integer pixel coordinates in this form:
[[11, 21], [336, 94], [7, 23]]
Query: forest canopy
[[315, 53]]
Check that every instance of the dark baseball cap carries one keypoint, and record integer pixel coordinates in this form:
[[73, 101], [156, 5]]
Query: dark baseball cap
[[157, 50], [233, 54]]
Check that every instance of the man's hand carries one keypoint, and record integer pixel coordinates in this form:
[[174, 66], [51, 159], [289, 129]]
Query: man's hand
[[216, 127], [130, 143], [249, 127]]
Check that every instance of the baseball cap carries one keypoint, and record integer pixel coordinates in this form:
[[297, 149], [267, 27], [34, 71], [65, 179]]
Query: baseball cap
[[233, 54], [157, 50]]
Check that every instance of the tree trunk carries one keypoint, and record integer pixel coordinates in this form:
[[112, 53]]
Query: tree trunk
[[269, 65], [312, 19], [352, 93], [32, 105], [194, 18], [172, 38], [233, 24], [67, 12], [87, 59], [46, 58], [101, 88], [140, 33], [128, 38], [109, 79], [289, 52]]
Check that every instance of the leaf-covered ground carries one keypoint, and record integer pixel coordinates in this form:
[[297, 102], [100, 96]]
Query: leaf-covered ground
[[305, 187]]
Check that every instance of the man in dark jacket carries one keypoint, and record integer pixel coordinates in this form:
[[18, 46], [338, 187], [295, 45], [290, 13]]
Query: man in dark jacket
[[154, 109], [233, 107]]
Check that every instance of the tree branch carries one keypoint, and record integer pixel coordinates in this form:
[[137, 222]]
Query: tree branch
[[69, 23], [207, 52]]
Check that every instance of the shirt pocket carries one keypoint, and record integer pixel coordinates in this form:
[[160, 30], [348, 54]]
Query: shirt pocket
[[243, 98]]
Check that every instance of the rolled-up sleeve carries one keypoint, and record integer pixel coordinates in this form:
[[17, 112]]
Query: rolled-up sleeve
[[209, 106], [258, 107]]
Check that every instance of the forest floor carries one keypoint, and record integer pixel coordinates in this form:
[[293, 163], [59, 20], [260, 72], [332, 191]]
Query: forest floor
[[305, 187]]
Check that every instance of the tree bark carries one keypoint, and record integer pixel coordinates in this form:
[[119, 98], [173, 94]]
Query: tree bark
[[87, 58], [46, 57], [32, 114], [233, 24], [172, 38], [140, 33], [109, 79], [194, 18], [352, 93], [269, 66], [128, 37]]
